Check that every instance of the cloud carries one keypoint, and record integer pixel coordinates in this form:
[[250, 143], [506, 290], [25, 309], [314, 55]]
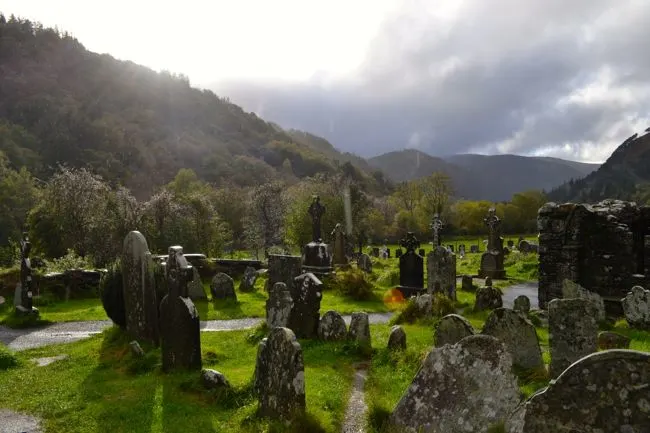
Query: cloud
[[556, 78]]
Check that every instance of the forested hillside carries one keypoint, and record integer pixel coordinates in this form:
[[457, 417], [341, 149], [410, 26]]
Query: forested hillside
[[60, 103]]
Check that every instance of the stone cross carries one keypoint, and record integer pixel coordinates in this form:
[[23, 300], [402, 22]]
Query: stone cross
[[25, 273], [436, 226], [410, 242], [316, 211], [493, 224]]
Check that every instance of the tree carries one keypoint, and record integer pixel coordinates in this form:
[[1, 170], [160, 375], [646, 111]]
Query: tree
[[267, 212], [436, 191]]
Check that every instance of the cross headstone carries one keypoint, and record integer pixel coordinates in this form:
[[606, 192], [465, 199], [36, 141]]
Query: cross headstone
[[316, 211], [493, 223], [411, 267], [436, 227], [24, 296]]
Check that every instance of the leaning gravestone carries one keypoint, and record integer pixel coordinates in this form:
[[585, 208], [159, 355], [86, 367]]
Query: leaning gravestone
[[397, 338], [573, 331], [283, 269], [451, 329], [636, 307], [195, 287], [365, 263], [180, 327], [465, 387], [522, 304], [278, 306], [332, 327], [280, 376], [519, 336], [571, 290], [601, 393], [222, 287], [306, 293], [140, 300], [247, 283], [359, 330]]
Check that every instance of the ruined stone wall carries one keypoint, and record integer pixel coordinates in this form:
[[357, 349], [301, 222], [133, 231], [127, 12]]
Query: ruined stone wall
[[602, 247]]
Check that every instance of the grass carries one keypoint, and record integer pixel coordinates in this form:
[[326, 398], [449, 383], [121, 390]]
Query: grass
[[101, 387]]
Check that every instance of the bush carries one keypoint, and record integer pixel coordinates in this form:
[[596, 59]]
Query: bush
[[111, 291], [70, 261], [442, 305], [353, 284], [409, 314], [389, 277], [7, 358]]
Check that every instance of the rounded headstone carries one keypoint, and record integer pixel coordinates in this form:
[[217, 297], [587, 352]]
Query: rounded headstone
[[636, 307], [612, 340], [519, 336], [195, 289], [248, 280], [451, 329], [359, 330], [212, 379], [222, 287], [522, 304], [488, 298], [397, 338], [332, 327]]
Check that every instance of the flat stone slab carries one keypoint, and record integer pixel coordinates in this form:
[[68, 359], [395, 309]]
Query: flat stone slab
[[42, 362], [15, 422]]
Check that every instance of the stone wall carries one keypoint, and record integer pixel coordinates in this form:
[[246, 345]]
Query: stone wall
[[603, 247]]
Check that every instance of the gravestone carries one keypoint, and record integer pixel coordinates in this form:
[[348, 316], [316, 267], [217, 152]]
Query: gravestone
[[492, 258], [461, 249], [519, 336], [573, 330], [411, 268], [572, 290], [636, 307], [521, 304], [278, 306], [222, 287], [365, 263], [441, 272], [612, 340], [317, 259], [398, 253], [280, 376], [23, 295], [488, 297], [465, 387], [424, 305], [359, 330], [511, 243], [397, 338], [601, 393], [195, 287], [306, 293], [375, 252], [528, 247], [332, 327], [338, 251], [451, 329], [180, 327], [473, 249], [388, 253], [283, 269], [248, 280], [467, 283], [140, 299]]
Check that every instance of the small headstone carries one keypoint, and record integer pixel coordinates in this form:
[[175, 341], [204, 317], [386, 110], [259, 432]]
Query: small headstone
[[519, 336], [397, 338], [247, 283], [365, 263], [424, 304], [571, 290], [195, 287], [388, 253], [636, 307], [136, 349], [461, 249], [450, 247], [278, 306], [339, 256], [465, 387], [213, 379], [451, 329], [332, 327], [488, 298], [280, 376], [522, 304], [467, 283], [511, 243], [473, 249], [601, 393], [359, 330], [375, 252], [572, 332], [222, 287], [398, 253], [306, 293], [612, 340]]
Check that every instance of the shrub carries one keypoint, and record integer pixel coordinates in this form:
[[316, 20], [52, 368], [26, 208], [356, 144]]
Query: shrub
[[409, 314], [389, 277], [353, 283], [7, 358], [70, 261], [111, 291], [442, 305]]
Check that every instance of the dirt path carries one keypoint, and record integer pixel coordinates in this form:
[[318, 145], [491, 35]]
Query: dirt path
[[355, 414]]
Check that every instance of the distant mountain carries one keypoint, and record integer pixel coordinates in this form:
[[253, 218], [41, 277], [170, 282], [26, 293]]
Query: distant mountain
[[619, 177], [483, 177]]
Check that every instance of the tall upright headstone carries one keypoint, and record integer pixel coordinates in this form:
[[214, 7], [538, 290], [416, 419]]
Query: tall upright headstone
[[306, 293], [441, 264], [140, 299], [23, 298], [180, 324], [339, 239], [316, 254], [411, 267], [492, 259]]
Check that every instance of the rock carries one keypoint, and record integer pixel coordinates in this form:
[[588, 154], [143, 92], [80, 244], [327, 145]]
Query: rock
[[280, 375], [465, 387], [572, 332], [451, 329], [467, 284], [573, 290], [15, 422], [42, 362], [332, 327], [212, 379], [278, 306], [248, 280], [365, 263], [601, 393], [521, 304], [360, 329], [397, 338], [612, 340], [195, 287], [222, 287], [306, 293], [519, 336], [136, 349], [488, 298], [636, 306]]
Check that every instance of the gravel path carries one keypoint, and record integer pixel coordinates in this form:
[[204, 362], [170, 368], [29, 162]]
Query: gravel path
[[14, 422], [355, 414]]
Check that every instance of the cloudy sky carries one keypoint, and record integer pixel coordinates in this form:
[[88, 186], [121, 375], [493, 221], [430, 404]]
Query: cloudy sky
[[565, 78]]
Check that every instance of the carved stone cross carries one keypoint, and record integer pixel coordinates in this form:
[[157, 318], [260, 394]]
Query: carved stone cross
[[436, 226]]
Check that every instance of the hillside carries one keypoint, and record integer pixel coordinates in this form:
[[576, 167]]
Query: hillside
[[622, 176], [483, 177], [60, 103]]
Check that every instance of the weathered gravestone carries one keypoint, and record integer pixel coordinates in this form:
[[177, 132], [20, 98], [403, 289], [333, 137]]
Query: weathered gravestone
[[280, 376], [511, 243], [332, 327], [359, 330], [411, 268], [365, 263], [180, 327], [521, 304], [572, 332], [283, 269], [306, 293], [441, 272], [461, 249], [612, 340], [398, 253], [450, 247], [340, 239], [636, 307], [519, 336], [388, 253], [23, 296], [195, 288], [140, 299], [473, 249], [571, 290], [248, 280], [601, 393], [492, 258], [451, 329], [465, 387], [222, 287], [467, 283], [488, 297], [375, 252], [528, 247], [397, 338], [278, 306], [424, 305]]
